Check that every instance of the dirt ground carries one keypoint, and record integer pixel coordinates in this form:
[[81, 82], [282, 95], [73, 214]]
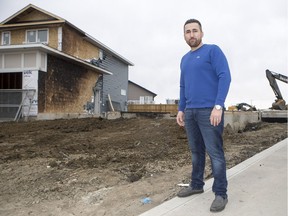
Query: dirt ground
[[106, 167]]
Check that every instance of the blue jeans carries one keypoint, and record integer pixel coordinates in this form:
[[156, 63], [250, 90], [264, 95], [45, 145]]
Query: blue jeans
[[203, 136]]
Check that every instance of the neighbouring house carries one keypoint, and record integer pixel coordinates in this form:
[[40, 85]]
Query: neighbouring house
[[141, 100], [139, 95], [49, 67]]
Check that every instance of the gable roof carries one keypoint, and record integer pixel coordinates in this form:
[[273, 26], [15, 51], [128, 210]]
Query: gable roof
[[154, 95], [20, 19]]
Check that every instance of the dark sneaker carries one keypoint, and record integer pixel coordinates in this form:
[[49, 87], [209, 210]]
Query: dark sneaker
[[188, 191], [218, 204]]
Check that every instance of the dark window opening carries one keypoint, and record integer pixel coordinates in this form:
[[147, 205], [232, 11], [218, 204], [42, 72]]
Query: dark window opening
[[11, 80], [10, 100]]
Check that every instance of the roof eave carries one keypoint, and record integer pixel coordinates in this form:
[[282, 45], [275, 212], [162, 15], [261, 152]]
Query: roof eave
[[30, 24], [104, 47], [52, 51], [142, 88]]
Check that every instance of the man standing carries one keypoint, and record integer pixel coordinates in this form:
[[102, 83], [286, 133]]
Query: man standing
[[204, 84]]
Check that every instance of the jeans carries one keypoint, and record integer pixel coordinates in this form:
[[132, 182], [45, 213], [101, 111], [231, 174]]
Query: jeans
[[202, 137]]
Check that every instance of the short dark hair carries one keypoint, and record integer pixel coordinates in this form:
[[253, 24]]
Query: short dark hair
[[193, 21]]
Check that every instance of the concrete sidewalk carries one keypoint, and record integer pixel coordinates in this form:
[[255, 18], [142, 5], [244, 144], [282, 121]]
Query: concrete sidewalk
[[256, 187]]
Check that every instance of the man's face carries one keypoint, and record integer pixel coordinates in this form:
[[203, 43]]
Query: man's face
[[193, 35]]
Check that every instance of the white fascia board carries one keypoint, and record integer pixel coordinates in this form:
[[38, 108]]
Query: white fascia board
[[47, 49]]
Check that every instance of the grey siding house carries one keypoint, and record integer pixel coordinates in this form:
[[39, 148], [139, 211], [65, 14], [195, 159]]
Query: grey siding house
[[139, 95], [115, 86]]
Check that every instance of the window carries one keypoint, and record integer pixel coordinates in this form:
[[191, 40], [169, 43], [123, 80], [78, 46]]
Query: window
[[37, 36], [31, 36], [123, 92], [6, 38], [42, 36]]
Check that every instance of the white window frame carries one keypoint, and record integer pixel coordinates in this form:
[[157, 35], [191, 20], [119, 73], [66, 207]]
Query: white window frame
[[9, 38], [123, 92], [37, 35]]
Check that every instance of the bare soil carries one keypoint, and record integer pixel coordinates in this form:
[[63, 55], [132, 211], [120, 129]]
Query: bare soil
[[106, 167]]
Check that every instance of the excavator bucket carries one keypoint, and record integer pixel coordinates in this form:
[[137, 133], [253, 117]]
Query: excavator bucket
[[279, 104]]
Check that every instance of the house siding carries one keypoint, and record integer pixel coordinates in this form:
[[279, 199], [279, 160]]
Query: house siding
[[65, 88], [33, 16], [18, 36], [134, 92], [74, 44], [112, 84], [53, 36]]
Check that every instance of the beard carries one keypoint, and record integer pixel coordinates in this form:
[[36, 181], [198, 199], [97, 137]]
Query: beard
[[193, 43]]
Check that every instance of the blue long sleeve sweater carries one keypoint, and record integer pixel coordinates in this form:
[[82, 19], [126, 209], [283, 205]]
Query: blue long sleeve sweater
[[205, 78]]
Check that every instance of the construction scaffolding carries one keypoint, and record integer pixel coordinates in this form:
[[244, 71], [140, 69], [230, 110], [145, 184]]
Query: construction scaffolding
[[16, 103]]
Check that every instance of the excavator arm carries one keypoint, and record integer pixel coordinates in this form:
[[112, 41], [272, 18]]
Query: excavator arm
[[279, 103]]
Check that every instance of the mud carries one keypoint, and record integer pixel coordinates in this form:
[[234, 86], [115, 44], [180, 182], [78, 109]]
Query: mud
[[101, 167]]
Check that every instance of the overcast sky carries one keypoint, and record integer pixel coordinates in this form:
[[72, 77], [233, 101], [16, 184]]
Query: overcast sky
[[149, 33]]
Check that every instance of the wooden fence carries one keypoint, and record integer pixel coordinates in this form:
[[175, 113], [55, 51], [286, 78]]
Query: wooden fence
[[154, 108]]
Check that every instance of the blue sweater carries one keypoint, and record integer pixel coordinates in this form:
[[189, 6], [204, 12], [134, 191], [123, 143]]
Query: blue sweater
[[205, 78]]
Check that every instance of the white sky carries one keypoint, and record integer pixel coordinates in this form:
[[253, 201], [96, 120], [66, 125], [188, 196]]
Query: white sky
[[149, 33]]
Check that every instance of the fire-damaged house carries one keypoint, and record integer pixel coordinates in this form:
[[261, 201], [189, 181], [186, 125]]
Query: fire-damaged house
[[50, 68]]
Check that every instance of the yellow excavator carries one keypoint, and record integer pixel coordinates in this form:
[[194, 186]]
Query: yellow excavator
[[280, 103]]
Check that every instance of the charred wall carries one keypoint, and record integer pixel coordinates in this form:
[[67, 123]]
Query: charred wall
[[65, 88]]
